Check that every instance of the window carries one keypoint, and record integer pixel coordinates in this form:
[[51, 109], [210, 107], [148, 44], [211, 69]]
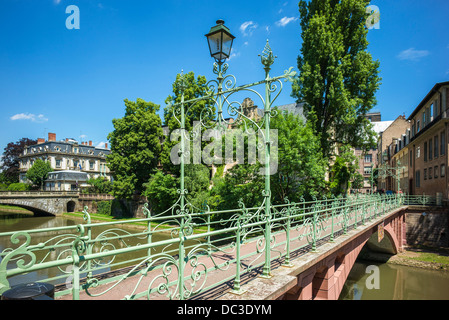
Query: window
[[430, 173], [368, 158], [442, 170], [58, 163], [91, 165], [435, 143], [425, 152], [430, 149], [425, 174], [418, 152], [442, 143], [418, 178], [435, 171], [367, 170], [417, 126], [424, 118]]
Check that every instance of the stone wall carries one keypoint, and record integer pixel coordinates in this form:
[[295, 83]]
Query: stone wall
[[427, 227]]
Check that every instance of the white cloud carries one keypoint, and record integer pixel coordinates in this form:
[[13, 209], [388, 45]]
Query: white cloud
[[101, 145], [234, 53], [29, 116], [412, 54], [56, 1], [285, 20], [248, 27]]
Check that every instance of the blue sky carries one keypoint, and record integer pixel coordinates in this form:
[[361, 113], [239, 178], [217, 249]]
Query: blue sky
[[73, 81]]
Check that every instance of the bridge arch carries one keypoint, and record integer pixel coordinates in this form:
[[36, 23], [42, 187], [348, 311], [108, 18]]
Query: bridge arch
[[71, 205], [324, 279], [42, 203]]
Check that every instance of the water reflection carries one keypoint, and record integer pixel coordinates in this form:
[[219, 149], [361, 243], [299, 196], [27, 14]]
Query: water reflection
[[395, 283]]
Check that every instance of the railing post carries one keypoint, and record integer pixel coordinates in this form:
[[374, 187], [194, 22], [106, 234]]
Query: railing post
[[315, 218], [332, 219], [237, 289], [267, 60], [287, 235], [78, 248], [147, 213]]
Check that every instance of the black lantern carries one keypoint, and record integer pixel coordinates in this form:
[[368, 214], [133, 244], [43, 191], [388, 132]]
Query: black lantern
[[220, 41]]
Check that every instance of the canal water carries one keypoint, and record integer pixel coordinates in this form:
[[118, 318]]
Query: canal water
[[394, 282]]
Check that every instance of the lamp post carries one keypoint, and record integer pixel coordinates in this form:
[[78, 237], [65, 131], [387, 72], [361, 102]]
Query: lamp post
[[219, 91]]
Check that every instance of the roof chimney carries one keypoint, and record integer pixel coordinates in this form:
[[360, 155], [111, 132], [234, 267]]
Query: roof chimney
[[90, 143], [105, 145], [51, 136], [40, 140]]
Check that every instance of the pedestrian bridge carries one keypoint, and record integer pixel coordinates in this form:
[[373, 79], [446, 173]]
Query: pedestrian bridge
[[42, 202], [301, 250]]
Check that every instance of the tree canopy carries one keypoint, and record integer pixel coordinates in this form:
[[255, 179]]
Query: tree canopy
[[135, 147], [39, 172], [10, 159], [338, 78]]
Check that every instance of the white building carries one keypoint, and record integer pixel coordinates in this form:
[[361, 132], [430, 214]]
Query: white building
[[66, 155]]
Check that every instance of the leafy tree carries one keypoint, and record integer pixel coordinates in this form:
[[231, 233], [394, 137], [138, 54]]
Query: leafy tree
[[161, 191], [343, 170], [197, 181], [301, 166], [357, 181], [99, 185], [18, 186], [135, 147], [39, 172], [10, 159], [194, 87], [338, 77]]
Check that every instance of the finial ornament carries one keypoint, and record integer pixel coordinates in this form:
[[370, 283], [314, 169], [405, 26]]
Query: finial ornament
[[267, 56]]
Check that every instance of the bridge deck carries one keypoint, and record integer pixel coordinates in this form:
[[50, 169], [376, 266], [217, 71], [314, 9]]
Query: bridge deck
[[254, 287]]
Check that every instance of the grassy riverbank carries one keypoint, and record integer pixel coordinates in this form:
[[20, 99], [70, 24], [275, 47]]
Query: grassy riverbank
[[423, 257], [13, 209]]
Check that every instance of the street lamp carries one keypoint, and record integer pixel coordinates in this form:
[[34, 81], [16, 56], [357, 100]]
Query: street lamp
[[220, 42]]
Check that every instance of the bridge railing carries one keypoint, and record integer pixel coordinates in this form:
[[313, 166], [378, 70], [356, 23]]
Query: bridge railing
[[181, 253], [37, 193]]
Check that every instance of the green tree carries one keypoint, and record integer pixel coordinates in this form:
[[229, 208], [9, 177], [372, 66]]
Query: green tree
[[338, 77], [99, 185], [39, 172], [204, 110], [161, 191], [343, 170], [301, 166], [135, 147], [10, 159]]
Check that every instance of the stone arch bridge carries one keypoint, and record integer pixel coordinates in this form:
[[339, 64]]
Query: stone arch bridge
[[41, 202]]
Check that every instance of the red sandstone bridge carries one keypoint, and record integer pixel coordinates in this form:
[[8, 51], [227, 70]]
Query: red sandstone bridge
[[297, 251]]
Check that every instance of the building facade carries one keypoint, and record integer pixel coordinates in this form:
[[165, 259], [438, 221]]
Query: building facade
[[428, 147], [66, 155], [390, 141]]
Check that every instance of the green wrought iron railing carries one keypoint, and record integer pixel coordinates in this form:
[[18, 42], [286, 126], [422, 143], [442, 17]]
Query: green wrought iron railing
[[179, 256]]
